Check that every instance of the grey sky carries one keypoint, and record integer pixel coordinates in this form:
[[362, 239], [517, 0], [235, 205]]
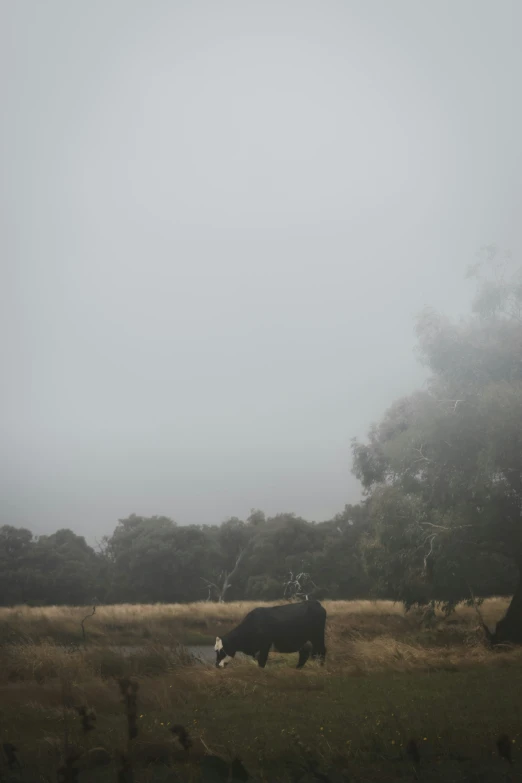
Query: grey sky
[[218, 221]]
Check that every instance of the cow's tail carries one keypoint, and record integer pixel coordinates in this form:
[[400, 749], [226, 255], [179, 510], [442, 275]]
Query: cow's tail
[[487, 633]]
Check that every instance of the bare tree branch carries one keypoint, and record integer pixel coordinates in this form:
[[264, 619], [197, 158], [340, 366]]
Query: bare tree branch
[[422, 457], [211, 586], [444, 527], [226, 576], [294, 587], [455, 403]]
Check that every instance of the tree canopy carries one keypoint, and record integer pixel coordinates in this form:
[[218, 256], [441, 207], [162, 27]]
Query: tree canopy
[[152, 559], [442, 470]]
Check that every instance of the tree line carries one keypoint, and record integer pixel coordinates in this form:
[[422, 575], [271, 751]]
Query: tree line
[[152, 559], [440, 520]]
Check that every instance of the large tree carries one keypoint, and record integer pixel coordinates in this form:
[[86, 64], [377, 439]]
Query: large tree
[[153, 559], [54, 569], [443, 469]]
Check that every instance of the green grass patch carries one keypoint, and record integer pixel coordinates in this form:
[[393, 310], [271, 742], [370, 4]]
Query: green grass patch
[[278, 717]]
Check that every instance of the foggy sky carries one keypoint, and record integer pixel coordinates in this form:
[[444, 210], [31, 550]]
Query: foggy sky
[[218, 221]]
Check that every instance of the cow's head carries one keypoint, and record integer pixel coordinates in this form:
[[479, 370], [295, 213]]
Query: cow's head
[[222, 657]]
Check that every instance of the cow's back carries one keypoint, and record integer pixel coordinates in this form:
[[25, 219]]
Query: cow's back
[[295, 614], [289, 626]]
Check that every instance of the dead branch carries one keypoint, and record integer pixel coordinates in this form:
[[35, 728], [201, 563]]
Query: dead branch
[[428, 564], [422, 457], [228, 576], [445, 527], [221, 591], [294, 587], [210, 586], [86, 618], [455, 403]]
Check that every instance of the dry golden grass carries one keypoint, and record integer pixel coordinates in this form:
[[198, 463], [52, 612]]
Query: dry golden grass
[[52, 618], [362, 636]]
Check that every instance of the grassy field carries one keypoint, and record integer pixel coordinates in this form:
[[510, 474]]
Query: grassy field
[[390, 680]]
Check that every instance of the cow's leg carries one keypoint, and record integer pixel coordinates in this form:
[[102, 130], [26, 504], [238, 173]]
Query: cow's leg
[[319, 651], [304, 654], [262, 656]]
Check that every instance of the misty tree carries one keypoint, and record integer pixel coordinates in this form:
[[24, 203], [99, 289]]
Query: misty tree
[[443, 469], [154, 559], [15, 549], [280, 545], [338, 566], [50, 569]]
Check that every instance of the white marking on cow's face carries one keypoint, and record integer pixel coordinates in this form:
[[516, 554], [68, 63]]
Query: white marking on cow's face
[[218, 647], [224, 659]]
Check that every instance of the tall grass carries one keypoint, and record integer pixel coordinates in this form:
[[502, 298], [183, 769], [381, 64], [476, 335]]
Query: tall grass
[[36, 644], [199, 623]]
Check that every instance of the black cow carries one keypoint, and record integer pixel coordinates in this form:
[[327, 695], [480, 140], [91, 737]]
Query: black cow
[[285, 629]]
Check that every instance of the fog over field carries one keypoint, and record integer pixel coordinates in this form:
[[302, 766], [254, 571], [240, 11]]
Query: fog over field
[[218, 221]]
